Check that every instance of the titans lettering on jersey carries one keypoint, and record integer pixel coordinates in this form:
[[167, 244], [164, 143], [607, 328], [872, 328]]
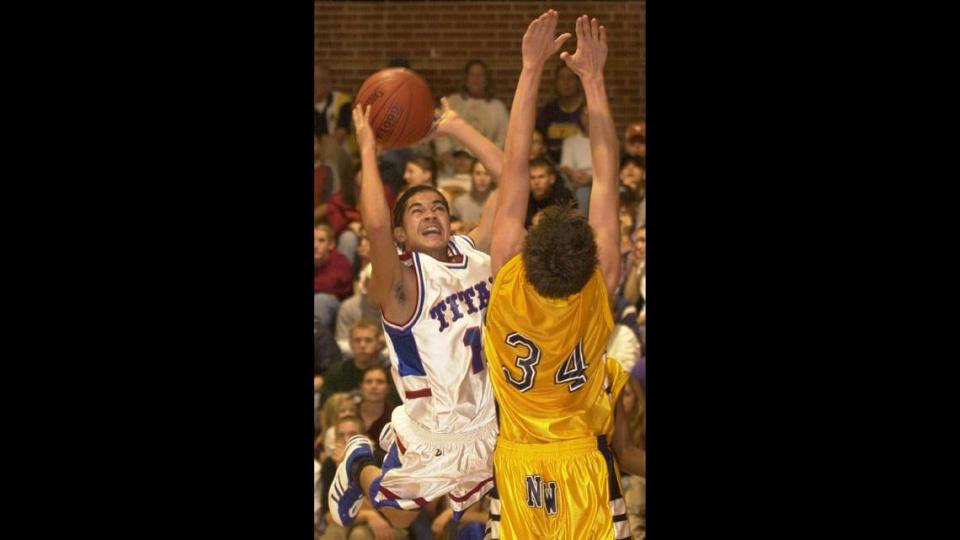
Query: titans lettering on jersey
[[470, 300]]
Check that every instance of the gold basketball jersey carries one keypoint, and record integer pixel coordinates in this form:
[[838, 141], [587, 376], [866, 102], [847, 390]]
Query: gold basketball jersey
[[547, 360]]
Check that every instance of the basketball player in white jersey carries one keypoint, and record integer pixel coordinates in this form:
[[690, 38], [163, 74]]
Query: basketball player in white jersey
[[432, 296]]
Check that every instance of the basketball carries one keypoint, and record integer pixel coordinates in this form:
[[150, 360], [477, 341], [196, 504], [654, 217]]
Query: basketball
[[401, 106]]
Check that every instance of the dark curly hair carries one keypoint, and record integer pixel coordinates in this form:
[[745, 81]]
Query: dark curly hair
[[560, 252]]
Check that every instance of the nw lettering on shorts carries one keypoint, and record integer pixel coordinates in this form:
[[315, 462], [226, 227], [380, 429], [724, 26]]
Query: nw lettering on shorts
[[541, 494]]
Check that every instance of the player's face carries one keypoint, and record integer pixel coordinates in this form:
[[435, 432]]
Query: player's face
[[640, 246], [414, 175], [374, 386], [476, 81], [481, 178], [426, 223], [363, 344], [566, 83], [537, 147], [322, 245], [541, 181]]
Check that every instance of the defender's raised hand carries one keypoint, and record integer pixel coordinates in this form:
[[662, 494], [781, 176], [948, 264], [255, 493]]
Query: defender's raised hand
[[591, 54], [539, 44]]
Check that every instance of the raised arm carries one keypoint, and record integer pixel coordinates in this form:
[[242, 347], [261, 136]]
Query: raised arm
[[387, 286], [452, 125], [587, 62], [538, 45]]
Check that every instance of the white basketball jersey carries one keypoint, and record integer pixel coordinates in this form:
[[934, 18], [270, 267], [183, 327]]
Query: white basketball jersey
[[435, 356]]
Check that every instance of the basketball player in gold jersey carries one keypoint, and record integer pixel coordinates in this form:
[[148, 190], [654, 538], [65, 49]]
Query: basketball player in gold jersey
[[548, 322]]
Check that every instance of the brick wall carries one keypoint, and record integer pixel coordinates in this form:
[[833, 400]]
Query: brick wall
[[357, 38]]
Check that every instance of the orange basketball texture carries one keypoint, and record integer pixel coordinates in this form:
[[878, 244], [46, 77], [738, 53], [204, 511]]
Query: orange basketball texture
[[401, 106]]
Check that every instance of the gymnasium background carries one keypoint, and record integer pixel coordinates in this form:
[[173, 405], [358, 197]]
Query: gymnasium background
[[354, 39]]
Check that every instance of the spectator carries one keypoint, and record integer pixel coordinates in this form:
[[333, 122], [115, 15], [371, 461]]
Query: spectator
[[538, 150], [469, 206], [344, 217], [355, 309], [633, 175], [545, 190], [323, 180], [331, 107], [339, 405], [325, 353], [577, 164], [419, 170], [332, 115], [332, 276], [635, 139], [345, 376], [476, 103], [376, 404], [635, 286], [627, 209], [558, 119]]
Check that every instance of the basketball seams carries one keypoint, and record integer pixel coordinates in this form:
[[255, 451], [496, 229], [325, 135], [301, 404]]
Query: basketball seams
[[407, 124], [401, 121], [406, 108]]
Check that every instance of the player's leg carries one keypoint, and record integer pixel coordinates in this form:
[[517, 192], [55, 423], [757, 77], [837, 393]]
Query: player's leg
[[354, 476]]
